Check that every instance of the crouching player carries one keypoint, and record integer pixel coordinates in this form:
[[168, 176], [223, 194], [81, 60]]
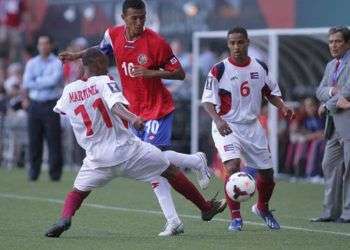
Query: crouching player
[[96, 109]]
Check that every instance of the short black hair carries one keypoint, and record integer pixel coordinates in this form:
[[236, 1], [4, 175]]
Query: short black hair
[[95, 60], [343, 30], [135, 4], [238, 29], [51, 40]]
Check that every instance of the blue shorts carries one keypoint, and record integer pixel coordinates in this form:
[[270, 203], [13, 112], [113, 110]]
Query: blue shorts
[[157, 132]]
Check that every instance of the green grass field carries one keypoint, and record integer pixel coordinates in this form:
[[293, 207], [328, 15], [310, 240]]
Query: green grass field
[[125, 215]]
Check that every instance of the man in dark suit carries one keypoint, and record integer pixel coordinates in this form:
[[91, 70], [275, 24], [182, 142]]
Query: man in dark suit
[[334, 87]]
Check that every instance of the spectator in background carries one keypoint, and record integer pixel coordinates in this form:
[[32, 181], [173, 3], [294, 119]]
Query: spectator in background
[[43, 79], [336, 161], [306, 143], [313, 132], [12, 15], [180, 88], [207, 59], [15, 116], [14, 77], [3, 106]]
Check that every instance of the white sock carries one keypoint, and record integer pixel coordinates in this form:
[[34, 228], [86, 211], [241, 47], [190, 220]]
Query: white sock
[[161, 188], [183, 161]]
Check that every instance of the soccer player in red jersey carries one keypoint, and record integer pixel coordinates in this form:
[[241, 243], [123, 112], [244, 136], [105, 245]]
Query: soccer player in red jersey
[[143, 58], [232, 97]]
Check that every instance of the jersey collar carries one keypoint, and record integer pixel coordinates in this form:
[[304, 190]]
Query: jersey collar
[[132, 41], [235, 63]]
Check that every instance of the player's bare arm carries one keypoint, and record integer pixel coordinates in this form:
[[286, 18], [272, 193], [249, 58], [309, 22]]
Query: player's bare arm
[[221, 124], [140, 71], [71, 56], [120, 110], [278, 102]]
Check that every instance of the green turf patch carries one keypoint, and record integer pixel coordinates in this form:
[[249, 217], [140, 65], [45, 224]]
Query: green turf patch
[[125, 215]]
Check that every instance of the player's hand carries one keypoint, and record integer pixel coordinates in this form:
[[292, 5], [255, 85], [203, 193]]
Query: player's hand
[[223, 127], [138, 123], [288, 112], [66, 56], [335, 90], [342, 103], [321, 110], [140, 71]]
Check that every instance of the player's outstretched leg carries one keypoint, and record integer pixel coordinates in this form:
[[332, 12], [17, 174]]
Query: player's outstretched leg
[[182, 185], [196, 162], [162, 190], [72, 203], [265, 185]]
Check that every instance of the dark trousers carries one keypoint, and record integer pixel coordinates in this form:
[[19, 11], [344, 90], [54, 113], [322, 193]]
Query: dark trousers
[[44, 123]]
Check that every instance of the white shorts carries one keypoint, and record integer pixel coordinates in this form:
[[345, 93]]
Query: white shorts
[[147, 163], [247, 141]]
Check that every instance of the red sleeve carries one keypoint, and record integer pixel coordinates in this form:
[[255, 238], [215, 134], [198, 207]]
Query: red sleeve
[[166, 58]]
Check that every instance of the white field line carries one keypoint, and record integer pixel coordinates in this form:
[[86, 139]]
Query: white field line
[[143, 211]]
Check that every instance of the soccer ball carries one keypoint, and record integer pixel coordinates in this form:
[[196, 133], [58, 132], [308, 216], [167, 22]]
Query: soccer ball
[[240, 186]]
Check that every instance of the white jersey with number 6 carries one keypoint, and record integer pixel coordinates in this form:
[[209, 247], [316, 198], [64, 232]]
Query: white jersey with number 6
[[236, 91], [103, 135]]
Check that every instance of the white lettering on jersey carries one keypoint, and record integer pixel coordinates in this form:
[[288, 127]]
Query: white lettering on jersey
[[81, 95]]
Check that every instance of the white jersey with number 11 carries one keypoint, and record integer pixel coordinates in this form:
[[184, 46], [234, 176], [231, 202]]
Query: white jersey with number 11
[[102, 134]]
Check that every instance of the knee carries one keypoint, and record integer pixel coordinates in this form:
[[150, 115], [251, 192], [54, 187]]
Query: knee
[[80, 192], [232, 166], [266, 173], [170, 172]]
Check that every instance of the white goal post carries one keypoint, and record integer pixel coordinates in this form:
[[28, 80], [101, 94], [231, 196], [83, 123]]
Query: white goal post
[[273, 59]]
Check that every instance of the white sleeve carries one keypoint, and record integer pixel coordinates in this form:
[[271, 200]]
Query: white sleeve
[[273, 86], [211, 91], [106, 45], [61, 106], [112, 94]]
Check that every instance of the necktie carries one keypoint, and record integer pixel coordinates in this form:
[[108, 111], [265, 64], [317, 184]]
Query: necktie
[[335, 74]]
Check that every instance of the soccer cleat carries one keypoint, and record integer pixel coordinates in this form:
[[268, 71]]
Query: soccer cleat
[[268, 218], [217, 206], [57, 229], [172, 229], [236, 225], [203, 174]]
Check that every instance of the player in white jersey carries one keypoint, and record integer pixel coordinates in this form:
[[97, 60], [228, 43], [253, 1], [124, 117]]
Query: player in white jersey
[[95, 108], [232, 97]]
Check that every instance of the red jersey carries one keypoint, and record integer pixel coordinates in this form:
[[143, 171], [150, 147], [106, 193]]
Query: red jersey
[[11, 12], [148, 97]]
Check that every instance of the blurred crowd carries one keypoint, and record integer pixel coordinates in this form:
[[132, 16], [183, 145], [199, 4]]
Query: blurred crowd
[[302, 142]]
